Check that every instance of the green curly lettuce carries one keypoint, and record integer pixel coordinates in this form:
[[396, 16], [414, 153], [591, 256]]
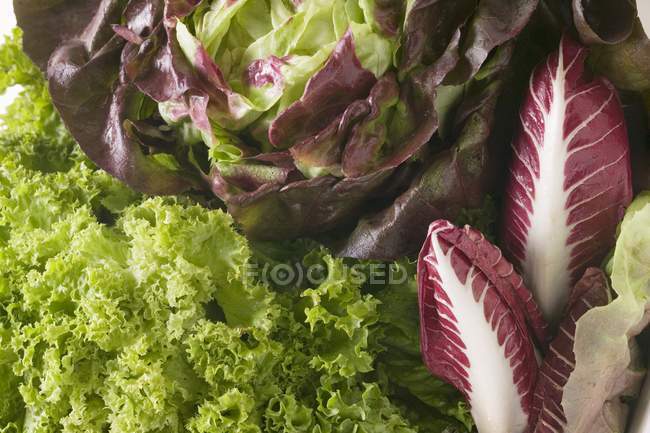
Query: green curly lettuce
[[123, 313]]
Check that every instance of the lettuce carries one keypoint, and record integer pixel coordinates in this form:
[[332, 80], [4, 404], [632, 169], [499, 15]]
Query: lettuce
[[608, 368], [298, 115], [457, 178], [139, 315], [122, 313]]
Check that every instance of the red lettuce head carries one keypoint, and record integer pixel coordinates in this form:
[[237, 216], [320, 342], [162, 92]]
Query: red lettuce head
[[299, 116]]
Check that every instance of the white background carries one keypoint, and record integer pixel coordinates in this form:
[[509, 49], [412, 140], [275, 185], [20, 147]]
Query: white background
[[7, 22]]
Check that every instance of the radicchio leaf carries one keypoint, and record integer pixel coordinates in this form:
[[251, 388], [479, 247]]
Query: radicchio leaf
[[570, 178], [478, 323], [591, 291]]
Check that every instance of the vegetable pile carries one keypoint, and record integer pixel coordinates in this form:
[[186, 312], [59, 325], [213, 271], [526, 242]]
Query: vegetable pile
[[166, 158]]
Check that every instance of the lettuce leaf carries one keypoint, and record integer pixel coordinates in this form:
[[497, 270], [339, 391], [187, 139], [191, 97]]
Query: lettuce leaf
[[608, 371], [454, 179]]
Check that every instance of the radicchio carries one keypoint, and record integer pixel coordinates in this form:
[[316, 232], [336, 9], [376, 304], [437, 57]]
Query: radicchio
[[590, 291], [477, 324], [570, 178]]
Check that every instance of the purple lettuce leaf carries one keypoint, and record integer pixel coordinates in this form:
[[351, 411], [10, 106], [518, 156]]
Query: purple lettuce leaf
[[484, 26], [93, 106], [428, 30], [47, 23], [98, 104], [324, 150], [308, 206], [388, 14], [604, 21], [455, 178], [485, 33], [338, 84], [364, 148]]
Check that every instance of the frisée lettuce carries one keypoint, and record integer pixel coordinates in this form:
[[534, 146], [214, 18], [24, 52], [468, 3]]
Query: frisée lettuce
[[123, 313]]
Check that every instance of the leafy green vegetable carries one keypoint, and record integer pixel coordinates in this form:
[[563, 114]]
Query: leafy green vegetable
[[267, 58], [456, 180], [130, 314], [107, 309], [608, 367]]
